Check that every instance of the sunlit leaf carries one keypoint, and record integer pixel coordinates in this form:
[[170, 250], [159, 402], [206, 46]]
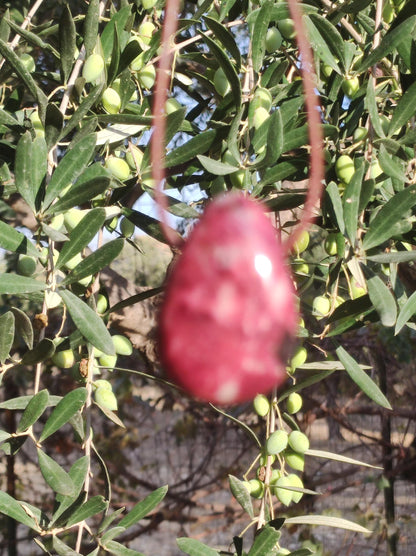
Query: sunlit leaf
[[140, 510], [67, 41], [15, 284], [193, 547], [383, 300], [66, 408], [241, 494], [326, 521], [34, 410], [93, 506], [55, 476], [14, 509]]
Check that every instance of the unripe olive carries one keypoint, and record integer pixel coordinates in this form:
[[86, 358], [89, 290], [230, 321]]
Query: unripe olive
[[360, 134], [134, 158], [26, 265], [357, 289], [263, 97], [298, 358], [102, 303], [261, 405], [147, 76], [138, 62], [126, 227], [108, 361], [344, 168], [101, 383], [52, 299], [72, 263], [172, 105], [294, 403], [287, 28], [327, 70], [265, 457], [28, 62], [283, 552], [106, 399], [118, 167], [149, 4], [260, 116], [73, 217], [295, 481], [301, 244], [256, 488], [298, 441], [330, 245], [146, 30], [277, 442], [284, 495], [64, 359], [274, 476], [111, 101], [301, 267], [295, 460], [122, 345], [321, 306], [57, 222], [93, 68], [350, 86], [273, 39], [221, 83]]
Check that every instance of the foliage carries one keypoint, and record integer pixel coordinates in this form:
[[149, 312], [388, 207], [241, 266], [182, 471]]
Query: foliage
[[75, 159]]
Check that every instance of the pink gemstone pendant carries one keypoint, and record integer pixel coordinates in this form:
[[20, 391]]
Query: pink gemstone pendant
[[229, 317]]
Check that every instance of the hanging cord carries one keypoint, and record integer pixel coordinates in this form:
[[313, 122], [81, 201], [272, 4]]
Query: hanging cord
[[312, 109]]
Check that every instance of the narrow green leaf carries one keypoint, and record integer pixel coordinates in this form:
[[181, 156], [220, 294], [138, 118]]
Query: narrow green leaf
[[31, 38], [391, 165], [382, 226], [144, 507], [13, 509], [194, 547], [63, 549], [336, 204], [383, 300], [54, 122], [319, 42], [241, 494], [34, 410], [114, 58], [42, 351], [282, 171], [351, 202], [21, 402], [228, 68], [66, 408], [392, 257], [70, 167], [112, 534], [332, 36], [77, 117], [390, 40], [135, 299], [326, 521], [363, 381], [81, 235], [12, 240], [4, 436], [259, 30], [404, 111], [88, 322], [223, 35], [95, 262], [119, 19], [109, 519], [147, 224], [265, 542], [215, 166], [30, 168], [24, 75], [197, 145], [23, 326], [91, 507], [67, 44], [78, 474], [56, 477], [118, 549], [338, 457], [371, 105], [13, 284], [80, 193], [91, 23], [406, 313], [6, 335]]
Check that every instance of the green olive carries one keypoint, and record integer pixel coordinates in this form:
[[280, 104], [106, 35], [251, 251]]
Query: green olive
[[294, 403], [26, 265], [118, 167], [285, 496], [344, 168], [221, 83], [261, 405], [147, 76], [93, 68], [295, 460], [273, 40], [64, 359], [122, 345], [127, 227], [287, 28], [111, 101], [277, 442], [102, 304], [350, 86], [321, 306], [105, 398], [295, 481], [299, 358], [146, 30], [298, 441], [301, 244], [108, 361]]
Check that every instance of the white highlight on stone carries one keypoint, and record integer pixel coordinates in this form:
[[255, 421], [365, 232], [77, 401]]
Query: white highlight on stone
[[263, 265]]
